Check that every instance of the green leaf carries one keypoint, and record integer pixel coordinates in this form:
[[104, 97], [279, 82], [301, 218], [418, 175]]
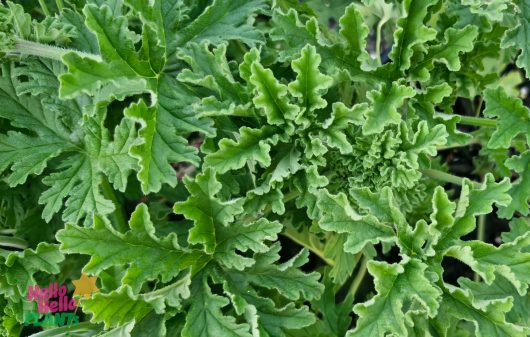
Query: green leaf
[[310, 85], [384, 104], [508, 260], [205, 318], [488, 317], [271, 96], [456, 41], [354, 30], [397, 286], [206, 210], [157, 147], [22, 266], [120, 307], [520, 188], [338, 216], [124, 71], [286, 278], [243, 238], [26, 154], [513, 118], [518, 36], [252, 146], [410, 32], [224, 20], [136, 249]]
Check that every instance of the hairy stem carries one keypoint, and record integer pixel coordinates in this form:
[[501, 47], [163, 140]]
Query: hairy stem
[[8, 231], [9, 241], [25, 47], [358, 280], [304, 239], [378, 41], [481, 236], [479, 107], [447, 177], [44, 7], [60, 5], [286, 198], [454, 146], [118, 214], [477, 121]]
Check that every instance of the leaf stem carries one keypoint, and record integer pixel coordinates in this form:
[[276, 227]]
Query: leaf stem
[[454, 146], [479, 107], [286, 198], [357, 281], [13, 242], [447, 177], [25, 47], [8, 231], [477, 121], [304, 240], [481, 236], [44, 7], [378, 41], [119, 215], [60, 5]]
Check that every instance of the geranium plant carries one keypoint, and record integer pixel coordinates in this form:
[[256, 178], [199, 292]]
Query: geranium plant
[[259, 168]]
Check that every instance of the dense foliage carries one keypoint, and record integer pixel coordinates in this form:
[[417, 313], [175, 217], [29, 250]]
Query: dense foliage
[[267, 168]]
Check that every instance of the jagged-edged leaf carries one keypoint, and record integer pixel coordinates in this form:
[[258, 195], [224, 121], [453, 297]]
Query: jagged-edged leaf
[[271, 96], [520, 188], [508, 260], [456, 41], [513, 118], [338, 216], [487, 317], [472, 202], [210, 69], [285, 278], [500, 289], [383, 108], [354, 30], [157, 147], [20, 267], [120, 307], [411, 32], [26, 154], [205, 318], [242, 237], [397, 286], [224, 20], [310, 84], [252, 145], [206, 210], [519, 35], [137, 248], [123, 71]]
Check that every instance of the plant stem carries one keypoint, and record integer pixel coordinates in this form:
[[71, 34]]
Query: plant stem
[[357, 281], [479, 107], [447, 177], [286, 198], [378, 41], [304, 240], [9, 241], [481, 236], [26, 47], [119, 215], [60, 5], [454, 146], [8, 231], [44, 7]]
